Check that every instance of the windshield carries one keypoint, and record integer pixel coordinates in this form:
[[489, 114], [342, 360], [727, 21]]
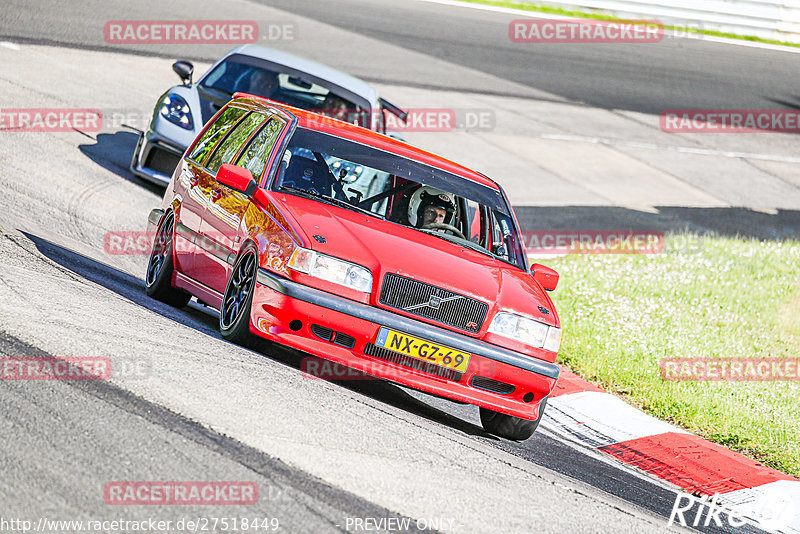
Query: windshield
[[354, 176], [248, 75]]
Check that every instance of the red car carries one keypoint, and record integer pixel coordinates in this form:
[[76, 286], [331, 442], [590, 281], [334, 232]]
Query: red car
[[363, 250]]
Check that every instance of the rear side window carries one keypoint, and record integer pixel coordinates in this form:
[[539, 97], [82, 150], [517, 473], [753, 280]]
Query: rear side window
[[475, 223], [230, 146], [255, 156], [214, 133]]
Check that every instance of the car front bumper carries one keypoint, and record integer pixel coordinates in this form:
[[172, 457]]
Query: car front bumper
[[296, 315], [160, 148]]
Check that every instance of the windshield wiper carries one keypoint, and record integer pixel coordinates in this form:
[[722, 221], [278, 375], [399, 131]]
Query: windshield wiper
[[331, 200], [454, 239], [462, 242]]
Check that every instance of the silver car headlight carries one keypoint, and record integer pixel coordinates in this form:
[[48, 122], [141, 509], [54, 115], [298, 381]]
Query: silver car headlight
[[176, 110], [526, 330], [331, 269]]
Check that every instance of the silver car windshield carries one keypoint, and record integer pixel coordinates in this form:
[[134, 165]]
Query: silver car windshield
[[246, 75]]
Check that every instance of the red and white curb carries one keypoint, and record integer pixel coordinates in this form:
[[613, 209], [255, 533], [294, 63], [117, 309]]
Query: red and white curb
[[584, 413]]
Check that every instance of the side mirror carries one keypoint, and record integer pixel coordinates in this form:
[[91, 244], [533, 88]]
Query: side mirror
[[184, 69], [394, 110], [546, 276], [237, 178]]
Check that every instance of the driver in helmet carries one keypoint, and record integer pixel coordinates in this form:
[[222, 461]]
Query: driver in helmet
[[434, 208]]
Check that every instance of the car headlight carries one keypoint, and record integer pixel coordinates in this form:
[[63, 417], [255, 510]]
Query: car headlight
[[175, 109], [553, 341], [526, 331], [331, 269]]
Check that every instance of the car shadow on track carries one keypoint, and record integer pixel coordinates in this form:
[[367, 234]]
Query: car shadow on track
[[205, 320], [113, 152]]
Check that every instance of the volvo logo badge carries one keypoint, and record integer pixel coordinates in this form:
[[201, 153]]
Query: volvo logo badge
[[434, 302]]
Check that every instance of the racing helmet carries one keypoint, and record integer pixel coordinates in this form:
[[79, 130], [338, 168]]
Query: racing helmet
[[428, 196]]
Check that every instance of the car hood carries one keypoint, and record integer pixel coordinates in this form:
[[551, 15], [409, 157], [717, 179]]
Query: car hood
[[386, 247]]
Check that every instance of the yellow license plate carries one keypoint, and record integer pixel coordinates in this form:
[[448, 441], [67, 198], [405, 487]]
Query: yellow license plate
[[422, 350]]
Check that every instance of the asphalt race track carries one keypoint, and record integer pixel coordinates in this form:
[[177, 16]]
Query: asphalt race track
[[328, 456]]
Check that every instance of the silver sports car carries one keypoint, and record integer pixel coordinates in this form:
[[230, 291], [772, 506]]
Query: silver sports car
[[181, 112]]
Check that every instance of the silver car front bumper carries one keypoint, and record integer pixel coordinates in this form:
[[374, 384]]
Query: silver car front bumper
[[155, 158]]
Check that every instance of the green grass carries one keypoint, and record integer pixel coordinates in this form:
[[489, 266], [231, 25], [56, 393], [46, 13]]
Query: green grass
[[721, 297], [600, 15]]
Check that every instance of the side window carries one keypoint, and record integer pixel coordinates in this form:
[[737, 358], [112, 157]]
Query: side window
[[255, 156], [360, 182], [214, 133], [230, 146], [504, 235], [499, 232], [474, 222]]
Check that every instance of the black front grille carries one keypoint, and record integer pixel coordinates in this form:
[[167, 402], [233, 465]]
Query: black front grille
[[495, 386], [322, 332], [162, 161], [337, 338], [433, 302], [414, 363], [344, 340]]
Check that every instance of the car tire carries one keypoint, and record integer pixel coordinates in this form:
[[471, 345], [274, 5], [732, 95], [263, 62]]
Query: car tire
[[234, 314], [158, 277], [508, 426]]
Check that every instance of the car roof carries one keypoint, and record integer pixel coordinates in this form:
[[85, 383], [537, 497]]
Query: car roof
[[352, 132], [318, 70]]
